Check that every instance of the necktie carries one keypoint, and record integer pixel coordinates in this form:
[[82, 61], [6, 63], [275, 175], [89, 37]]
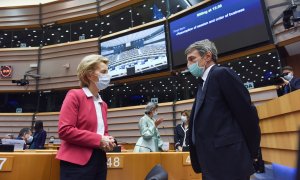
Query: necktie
[[199, 94]]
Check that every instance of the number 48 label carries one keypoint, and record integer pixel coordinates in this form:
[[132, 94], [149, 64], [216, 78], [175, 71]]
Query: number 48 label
[[114, 161]]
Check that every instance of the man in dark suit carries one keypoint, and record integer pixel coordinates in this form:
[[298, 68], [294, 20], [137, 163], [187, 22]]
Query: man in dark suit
[[224, 129], [290, 82]]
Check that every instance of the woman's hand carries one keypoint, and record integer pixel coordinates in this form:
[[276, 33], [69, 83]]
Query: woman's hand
[[158, 121], [179, 148], [107, 143]]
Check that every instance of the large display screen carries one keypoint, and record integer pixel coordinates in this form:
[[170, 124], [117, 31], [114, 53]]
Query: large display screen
[[231, 24], [137, 52]]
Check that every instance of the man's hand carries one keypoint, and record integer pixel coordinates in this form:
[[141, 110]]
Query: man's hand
[[158, 121], [285, 82], [107, 143]]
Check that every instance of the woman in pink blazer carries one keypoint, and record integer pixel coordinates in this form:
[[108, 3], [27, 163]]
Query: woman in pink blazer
[[82, 125]]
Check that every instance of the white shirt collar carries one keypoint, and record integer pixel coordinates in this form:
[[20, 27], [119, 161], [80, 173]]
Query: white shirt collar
[[205, 74], [88, 93]]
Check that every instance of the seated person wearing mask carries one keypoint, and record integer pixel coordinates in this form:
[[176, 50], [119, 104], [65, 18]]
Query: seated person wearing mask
[[290, 83], [51, 139], [26, 135], [150, 140], [181, 133]]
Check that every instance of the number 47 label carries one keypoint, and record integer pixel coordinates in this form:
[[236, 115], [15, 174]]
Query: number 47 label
[[6, 163]]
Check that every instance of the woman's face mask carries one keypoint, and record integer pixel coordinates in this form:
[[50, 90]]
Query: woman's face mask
[[155, 114], [104, 80], [183, 119]]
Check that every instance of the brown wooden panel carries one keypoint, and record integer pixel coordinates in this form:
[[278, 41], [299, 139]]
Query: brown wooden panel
[[284, 104], [19, 11], [54, 58], [285, 141], [68, 10], [25, 163], [136, 165], [108, 6], [19, 17], [282, 123], [173, 164], [279, 156]]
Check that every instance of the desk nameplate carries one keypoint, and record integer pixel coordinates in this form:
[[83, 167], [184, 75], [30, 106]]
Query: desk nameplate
[[115, 161], [6, 163], [186, 159]]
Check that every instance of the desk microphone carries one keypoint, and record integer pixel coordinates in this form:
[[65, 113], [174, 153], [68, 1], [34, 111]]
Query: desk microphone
[[144, 147]]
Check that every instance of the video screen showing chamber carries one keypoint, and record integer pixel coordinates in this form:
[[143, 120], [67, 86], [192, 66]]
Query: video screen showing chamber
[[136, 52]]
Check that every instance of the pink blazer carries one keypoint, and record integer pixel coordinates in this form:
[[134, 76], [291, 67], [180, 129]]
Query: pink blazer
[[77, 127]]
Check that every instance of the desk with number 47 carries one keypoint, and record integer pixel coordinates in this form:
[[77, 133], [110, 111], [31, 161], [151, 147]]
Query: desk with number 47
[[37, 165]]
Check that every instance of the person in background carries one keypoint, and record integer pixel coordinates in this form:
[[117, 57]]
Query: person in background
[[150, 140], [26, 135], [82, 125], [39, 136], [290, 82], [51, 139], [181, 137], [224, 125]]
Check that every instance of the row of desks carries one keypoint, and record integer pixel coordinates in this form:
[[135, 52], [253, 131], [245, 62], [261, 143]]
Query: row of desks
[[42, 165]]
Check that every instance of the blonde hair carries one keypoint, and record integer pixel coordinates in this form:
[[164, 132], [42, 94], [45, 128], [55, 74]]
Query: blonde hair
[[87, 66]]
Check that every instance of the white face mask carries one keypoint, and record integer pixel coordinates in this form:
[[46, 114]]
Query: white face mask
[[155, 114], [183, 119], [51, 140], [288, 77], [29, 139], [104, 80]]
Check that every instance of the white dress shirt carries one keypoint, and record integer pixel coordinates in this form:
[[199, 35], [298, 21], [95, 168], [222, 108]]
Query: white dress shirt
[[205, 74], [97, 101]]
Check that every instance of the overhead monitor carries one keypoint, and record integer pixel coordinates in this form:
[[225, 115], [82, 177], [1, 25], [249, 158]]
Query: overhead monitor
[[136, 52], [231, 24]]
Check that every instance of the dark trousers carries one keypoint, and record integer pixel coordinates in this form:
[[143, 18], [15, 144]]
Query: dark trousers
[[95, 169]]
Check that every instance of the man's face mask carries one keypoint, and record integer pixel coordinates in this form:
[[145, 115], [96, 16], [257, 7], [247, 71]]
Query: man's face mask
[[288, 76], [196, 70]]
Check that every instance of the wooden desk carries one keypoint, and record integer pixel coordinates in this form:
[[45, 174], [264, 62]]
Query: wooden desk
[[178, 166], [133, 166], [279, 123], [28, 166]]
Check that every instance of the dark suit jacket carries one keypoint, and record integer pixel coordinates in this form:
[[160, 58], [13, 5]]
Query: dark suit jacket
[[294, 84], [39, 139], [179, 135], [227, 133]]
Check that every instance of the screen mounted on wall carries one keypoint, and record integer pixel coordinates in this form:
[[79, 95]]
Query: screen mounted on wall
[[137, 52], [231, 24]]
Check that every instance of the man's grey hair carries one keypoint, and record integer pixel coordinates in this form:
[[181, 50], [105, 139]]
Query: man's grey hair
[[203, 47]]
